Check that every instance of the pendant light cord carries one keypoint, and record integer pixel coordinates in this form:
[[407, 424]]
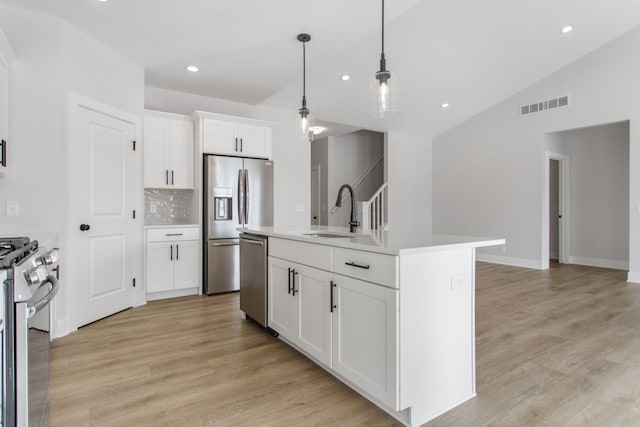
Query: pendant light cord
[[383, 27], [383, 62], [304, 75]]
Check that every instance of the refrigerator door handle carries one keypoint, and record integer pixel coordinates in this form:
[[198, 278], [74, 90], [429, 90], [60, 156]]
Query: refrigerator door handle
[[240, 197], [246, 196]]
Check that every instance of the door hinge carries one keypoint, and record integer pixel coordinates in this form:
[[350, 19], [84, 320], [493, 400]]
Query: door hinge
[[134, 282], [134, 214], [134, 145]]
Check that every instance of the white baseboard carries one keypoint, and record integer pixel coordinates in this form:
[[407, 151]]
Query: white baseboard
[[597, 262], [633, 276], [507, 260], [154, 296]]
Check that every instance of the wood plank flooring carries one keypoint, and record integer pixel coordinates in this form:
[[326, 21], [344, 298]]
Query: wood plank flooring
[[554, 348]]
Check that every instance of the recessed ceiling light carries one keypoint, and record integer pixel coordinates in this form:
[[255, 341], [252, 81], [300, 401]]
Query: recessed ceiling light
[[444, 105], [103, 1], [345, 77], [318, 130], [192, 68], [567, 29]]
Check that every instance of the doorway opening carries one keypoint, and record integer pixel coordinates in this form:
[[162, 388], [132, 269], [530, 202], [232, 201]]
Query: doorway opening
[[558, 187], [586, 197], [343, 154]]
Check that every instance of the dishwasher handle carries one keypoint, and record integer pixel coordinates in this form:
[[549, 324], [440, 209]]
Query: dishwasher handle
[[252, 241]]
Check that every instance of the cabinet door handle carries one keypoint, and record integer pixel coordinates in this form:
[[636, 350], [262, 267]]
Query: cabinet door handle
[[331, 304], [236, 144], [171, 177], [353, 264], [166, 176], [171, 253], [293, 283], [241, 143], [177, 252], [3, 158], [289, 279]]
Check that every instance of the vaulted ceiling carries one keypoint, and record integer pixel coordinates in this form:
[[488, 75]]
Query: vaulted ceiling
[[468, 53]]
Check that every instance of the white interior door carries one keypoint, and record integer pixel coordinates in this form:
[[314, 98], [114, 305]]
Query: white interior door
[[315, 195], [101, 201]]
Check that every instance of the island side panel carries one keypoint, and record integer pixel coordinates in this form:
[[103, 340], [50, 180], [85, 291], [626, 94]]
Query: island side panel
[[437, 331]]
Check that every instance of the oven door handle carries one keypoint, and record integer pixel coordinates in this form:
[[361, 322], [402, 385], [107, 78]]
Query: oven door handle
[[32, 309]]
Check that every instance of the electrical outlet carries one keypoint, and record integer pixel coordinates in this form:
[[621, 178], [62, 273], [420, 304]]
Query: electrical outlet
[[457, 281], [153, 208], [13, 208], [503, 249]]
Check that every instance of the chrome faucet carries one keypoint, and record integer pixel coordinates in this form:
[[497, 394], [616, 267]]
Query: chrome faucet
[[353, 224]]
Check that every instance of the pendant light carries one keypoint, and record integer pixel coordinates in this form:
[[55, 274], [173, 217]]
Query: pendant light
[[384, 90], [304, 117]]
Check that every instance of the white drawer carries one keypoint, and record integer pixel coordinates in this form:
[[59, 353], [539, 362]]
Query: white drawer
[[173, 234], [369, 266], [311, 254]]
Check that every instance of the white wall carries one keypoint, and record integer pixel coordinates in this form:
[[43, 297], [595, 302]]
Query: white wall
[[291, 158], [488, 171], [599, 193], [52, 59], [319, 156], [409, 170], [349, 157]]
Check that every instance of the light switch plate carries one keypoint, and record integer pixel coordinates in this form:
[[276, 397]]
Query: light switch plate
[[13, 208]]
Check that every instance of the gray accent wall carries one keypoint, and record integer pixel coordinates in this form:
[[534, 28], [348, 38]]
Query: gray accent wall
[[488, 172]]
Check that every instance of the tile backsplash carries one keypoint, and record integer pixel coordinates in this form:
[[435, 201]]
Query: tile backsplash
[[168, 207]]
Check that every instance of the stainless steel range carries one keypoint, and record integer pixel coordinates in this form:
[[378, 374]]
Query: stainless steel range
[[30, 283]]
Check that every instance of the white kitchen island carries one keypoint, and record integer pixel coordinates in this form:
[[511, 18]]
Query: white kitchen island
[[392, 315]]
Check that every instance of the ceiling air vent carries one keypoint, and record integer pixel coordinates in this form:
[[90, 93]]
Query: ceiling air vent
[[550, 104]]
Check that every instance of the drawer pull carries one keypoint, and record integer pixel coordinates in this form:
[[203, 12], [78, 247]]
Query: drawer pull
[[353, 264], [173, 234]]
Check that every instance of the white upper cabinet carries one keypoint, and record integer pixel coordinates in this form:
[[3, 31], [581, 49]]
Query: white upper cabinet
[[234, 136], [168, 151], [6, 57]]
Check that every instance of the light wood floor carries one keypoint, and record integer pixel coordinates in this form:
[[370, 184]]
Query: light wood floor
[[560, 347]]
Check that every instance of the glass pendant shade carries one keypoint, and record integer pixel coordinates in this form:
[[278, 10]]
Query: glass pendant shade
[[384, 86], [384, 94], [304, 125]]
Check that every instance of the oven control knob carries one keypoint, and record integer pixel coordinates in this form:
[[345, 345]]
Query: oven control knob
[[51, 257], [36, 275]]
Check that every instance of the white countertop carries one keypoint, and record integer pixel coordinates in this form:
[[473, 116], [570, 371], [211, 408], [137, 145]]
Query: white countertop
[[172, 226], [386, 242]]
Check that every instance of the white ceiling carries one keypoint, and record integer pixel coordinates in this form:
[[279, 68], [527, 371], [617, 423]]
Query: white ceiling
[[469, 53]]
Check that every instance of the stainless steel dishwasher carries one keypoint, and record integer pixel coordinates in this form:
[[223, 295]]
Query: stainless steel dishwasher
[[253, 277]]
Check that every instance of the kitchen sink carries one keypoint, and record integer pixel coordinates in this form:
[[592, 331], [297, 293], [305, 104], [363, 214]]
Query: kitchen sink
[[327, 235]]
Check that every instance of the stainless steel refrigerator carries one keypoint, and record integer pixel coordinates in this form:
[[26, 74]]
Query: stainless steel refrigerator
[[238, 192]]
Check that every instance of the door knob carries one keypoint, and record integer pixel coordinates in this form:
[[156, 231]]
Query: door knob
[[84, 227]]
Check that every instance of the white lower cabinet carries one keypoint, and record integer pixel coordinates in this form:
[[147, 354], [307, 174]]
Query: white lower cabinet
[[365, 337], [347, 324], [160, 267], [299, 306], [172, 262]]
